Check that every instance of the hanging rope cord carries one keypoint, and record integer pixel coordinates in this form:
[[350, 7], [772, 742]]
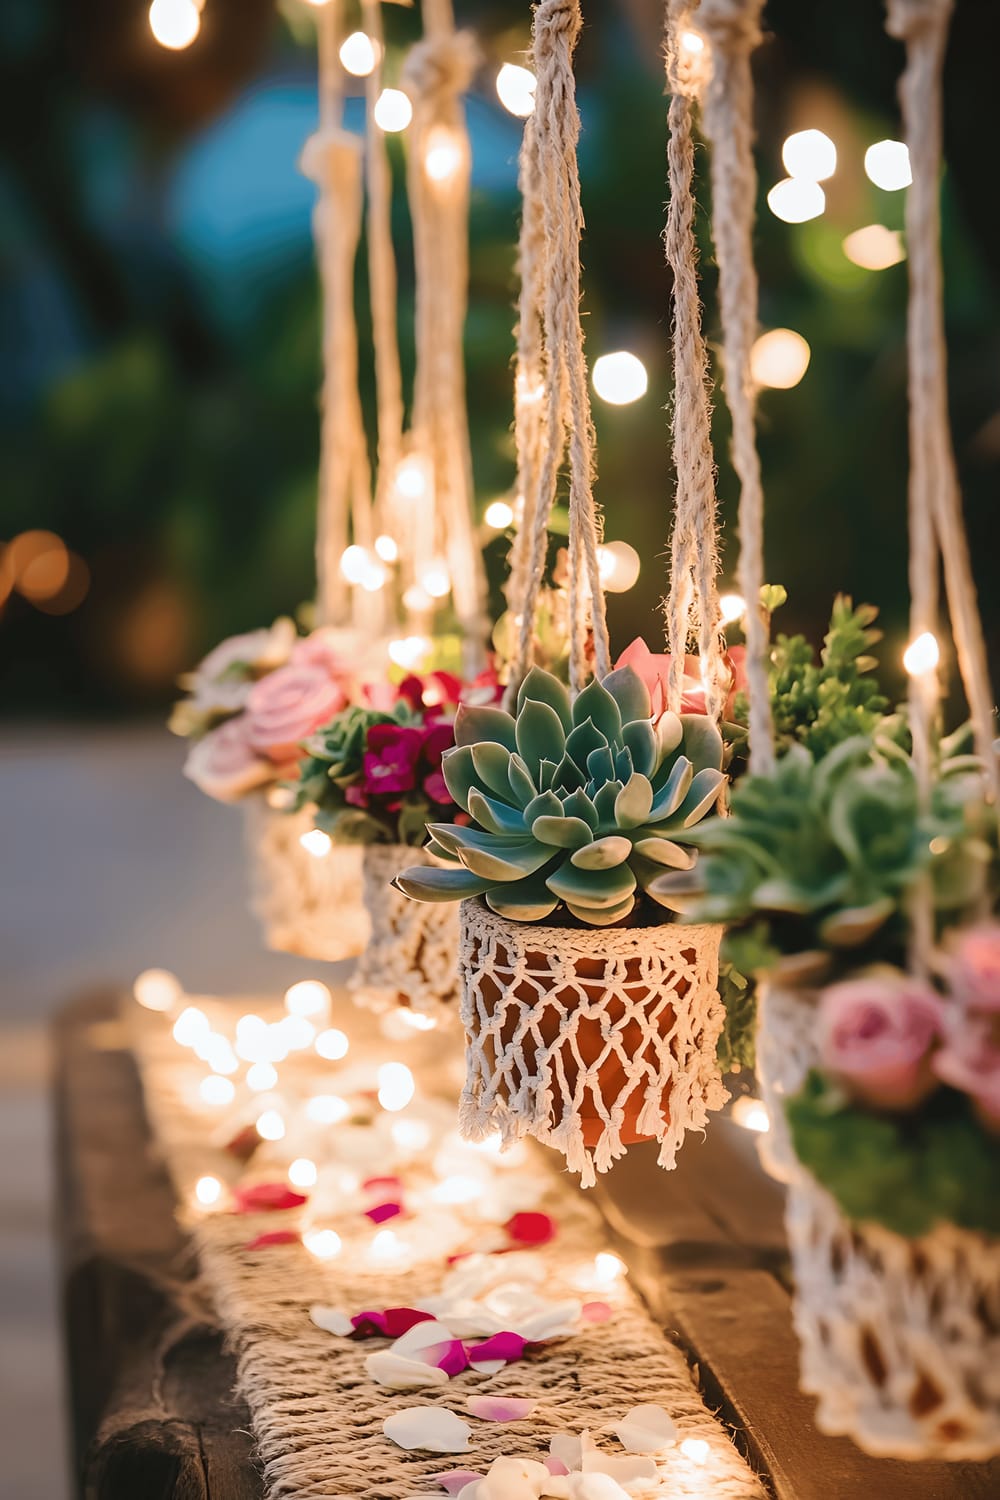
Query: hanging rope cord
[[550, 301], [732, 30], [438, 71], [332, 159], [936, 523]]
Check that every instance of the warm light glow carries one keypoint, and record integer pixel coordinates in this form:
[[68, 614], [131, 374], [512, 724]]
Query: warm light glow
[[292, 1034], [499, 515], [174, 23], [415, 1020], [732, 607], [387, 1246], [208, 1190], [922, 655], [692, 43], [217, 1050], [359, 54], [157, 989], [252, 1040], [387, 548], [409, 652], [874, 248], [261, 1076], [751, 1114], [354, 563], [411, 1135], [443, 156], [323, 1243], [696, 1449], [528, 395], [332, 1044], [302, 1172], [270, 1126], [516, 89], [619, 566], [216, 1090], [327, 1109], [411, 479], [455, 1190], [608, 1268], [795, 200], [435, 578], [191, 1026], [308, 998], [316, 842], [809, 154], [887, 164], [395, 1086], [619, 378], [393, 110], [779, 359]]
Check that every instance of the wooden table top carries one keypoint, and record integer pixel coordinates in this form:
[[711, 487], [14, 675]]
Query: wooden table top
[[153, 1410]]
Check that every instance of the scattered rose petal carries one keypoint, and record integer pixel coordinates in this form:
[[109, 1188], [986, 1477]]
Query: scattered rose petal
[[568, 1448], [555, 1465], [487, 1366], [454, 1480], [512, 1479], [368, 1325], [451, 1357], [331, 1319], [500, 1408], [422, 1335], [383, 1211], [646, 1429], [272, 1237], [595, 1487], [395, 1370], [391, 1324], [266, 1197], [505, 1346], [531, 1228], [557, 1321], [595, 1312], [432, 1428]]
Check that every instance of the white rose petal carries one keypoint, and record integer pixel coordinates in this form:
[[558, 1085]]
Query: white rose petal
[[513, 1479], [646, 1429], [487, 1366], [388, 1368], [431, 1428], [595, 1487], [331, 1319], [421, 1336]]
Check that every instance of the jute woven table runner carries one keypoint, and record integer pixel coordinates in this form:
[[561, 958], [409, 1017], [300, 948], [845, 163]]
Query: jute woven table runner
[[317, 1416]]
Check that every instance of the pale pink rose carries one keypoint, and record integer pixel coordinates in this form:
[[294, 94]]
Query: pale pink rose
[[287, 706], [328, 648], [654, 669], [224, 765], [221, 683], [975, 968], [970, 1062], [876, 1035]]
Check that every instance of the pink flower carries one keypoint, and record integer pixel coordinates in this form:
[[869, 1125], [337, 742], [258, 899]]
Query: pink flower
[[876, 1036], [254, 652], [224, 764], [390, 762], [327, 648], [436, 788], [975, 971], [970, 1062], [655, 673], [284, 708]]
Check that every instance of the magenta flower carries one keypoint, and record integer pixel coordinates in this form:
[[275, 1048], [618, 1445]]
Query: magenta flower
[[975, 973], [876, 1035], [436, 789], [390, 762]]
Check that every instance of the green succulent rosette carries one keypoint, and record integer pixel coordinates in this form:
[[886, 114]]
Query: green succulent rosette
[[576, 804]]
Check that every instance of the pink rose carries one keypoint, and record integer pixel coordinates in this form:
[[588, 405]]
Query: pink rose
[[224, 765], [655, 672], [328, 648], [970, 1062], [287, 706], [975, 968], [876, 1035]]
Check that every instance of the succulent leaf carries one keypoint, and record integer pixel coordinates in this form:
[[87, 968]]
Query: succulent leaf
[[592, 888], [702, 795], [595, 702], [528, 900], [459, 774], [496, 817], [492, 762], [584, 739], [665, 852], [519, 779], [542, 687], [633, 802], [640, 740], [579, 805], [630, 693], [565, 833], [475, 723], [432, 883], [601, 765], [603, 854], [539, 733]]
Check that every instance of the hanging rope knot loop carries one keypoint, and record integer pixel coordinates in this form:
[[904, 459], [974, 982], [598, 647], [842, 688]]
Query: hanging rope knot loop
[[730, 26], [909, 19], [557, 19], [441, 66]]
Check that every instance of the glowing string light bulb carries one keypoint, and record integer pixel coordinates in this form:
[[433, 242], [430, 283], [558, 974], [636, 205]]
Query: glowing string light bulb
[[887, 165], [922, 655], [174, 23], [387, 548], [316, 842], [302, 1172], [308, 998], [809, 155], [443, 156], [157, 989], [270, 1125], [359, 54], [751, 1114], [874, 248], [696, 1449], [779, 359], [192, 1026], [332, 1045], [619, 378], [393, 111], [516, 89], [216, 1091], [324, 1244], [207, 1190], [732, 607], [395, 1086], [619, 565], [795, 200], [410, 479], [261, 1076], [435, 578]]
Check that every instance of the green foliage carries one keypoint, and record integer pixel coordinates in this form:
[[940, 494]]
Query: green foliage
[[736, 1049], [335, 765], [575, 805], [906, 1172]]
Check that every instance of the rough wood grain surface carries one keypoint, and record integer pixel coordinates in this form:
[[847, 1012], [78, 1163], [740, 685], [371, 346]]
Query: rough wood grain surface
[[152, 1404]]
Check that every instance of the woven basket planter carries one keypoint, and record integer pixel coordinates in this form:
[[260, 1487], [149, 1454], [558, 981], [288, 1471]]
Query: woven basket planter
[[899, 1339], [786, 1050], [411, 959], [310, 905], [589, 1039]]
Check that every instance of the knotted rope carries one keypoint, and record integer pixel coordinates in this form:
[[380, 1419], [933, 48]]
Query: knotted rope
[[935, 500], [550, 298], [732, 30]]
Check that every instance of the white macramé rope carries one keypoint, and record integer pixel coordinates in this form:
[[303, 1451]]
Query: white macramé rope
[[692, 604], [732, 28], [438, 70], [935, 501], [554, 184]]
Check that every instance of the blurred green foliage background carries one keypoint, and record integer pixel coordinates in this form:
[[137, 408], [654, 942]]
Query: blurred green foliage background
[[158, 318]]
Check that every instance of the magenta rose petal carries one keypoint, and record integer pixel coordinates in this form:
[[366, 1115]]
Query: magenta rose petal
[[267, 1197], [272, 1237], [531, 1228], [383, 1211], [500, 1408], [399, 1320], [506, 1346], [455, 1480], [369, 1325], [451, 1357], [595, 1312]]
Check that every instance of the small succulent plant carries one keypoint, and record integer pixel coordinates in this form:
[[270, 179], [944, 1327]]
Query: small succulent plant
[[573, 804]]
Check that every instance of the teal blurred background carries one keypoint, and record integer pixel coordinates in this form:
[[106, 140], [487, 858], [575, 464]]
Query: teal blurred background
[[158, 318]]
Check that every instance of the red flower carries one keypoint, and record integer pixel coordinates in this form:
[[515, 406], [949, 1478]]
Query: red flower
[[389, 764]]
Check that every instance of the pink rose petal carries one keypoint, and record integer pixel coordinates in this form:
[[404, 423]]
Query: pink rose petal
[[595, 1312], [272, 1237], [531, 1228], [266, 1197], [451, 1357], [505, 1346], [383, 1211], [500, 1408], [455, 1480], [555, 1465]]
